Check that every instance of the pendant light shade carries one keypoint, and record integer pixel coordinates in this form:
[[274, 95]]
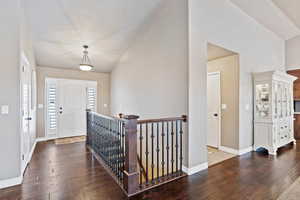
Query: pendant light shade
[[85, 62]]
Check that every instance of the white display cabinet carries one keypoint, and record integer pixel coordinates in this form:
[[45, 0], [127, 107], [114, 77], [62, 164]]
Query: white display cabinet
[[273, 110]]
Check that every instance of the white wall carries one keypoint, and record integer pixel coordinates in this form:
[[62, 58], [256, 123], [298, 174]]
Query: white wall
[[154, 76], [221, 23], [293, 53], [9, 88], [151, 78]]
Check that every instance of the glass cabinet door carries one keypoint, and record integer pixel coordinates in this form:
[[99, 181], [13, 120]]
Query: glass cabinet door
[[284, 100], [289, 103], [263, 100], [279, 98], [275, 99]]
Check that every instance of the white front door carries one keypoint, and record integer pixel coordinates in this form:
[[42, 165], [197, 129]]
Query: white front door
[[25, 113], [72, 106], [213, 108]]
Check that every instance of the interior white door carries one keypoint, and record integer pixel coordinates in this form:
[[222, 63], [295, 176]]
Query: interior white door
[[26, 114], [72, 108], [213, 108]]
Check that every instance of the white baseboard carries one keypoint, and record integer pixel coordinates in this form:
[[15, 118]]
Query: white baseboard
[[29, 157], [235, 151], [193, 170], [229, 150], [32, 151], [246, 150], [44, 139], [11, 182]]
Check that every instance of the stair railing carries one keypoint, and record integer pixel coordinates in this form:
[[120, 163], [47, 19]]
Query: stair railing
[[122, 144]]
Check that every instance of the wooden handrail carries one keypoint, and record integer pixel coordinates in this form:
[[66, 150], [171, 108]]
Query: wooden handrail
[[168, 119], [107, 117], [183, 118]]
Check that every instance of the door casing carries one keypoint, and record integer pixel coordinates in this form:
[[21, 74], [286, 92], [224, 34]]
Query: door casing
[[25, 136], [48, 79]]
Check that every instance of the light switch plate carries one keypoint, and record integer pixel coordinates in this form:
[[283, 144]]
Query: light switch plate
[[4, 109], [105, 105]]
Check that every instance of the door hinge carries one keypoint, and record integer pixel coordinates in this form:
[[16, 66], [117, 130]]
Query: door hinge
[[23, 157], [23, 68]]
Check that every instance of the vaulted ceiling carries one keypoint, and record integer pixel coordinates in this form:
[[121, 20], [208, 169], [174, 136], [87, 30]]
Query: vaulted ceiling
[[280, 16], [61, 27], [290, 8]]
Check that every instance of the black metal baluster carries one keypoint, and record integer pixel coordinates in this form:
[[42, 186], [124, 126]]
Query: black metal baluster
[[168, 148], [141, 154], [120, 151], [123, 150], [147, 155], [118, 145], [109, 144], [115, 152], [163, 147], [157, 149], [111, 139], [176, 145], [181, 157], [172, 147], [152, 151]]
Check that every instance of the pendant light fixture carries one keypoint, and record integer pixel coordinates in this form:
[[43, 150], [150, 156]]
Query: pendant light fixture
[[85, 62]]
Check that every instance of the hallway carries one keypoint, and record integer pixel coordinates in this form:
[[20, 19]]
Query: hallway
[[68, 171]]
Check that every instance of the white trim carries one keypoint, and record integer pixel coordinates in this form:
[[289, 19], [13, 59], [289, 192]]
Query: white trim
[[23, 61], [44, 139], [88, 83], [235, 151], [29, 157], [11, 182], [218, 73], [32, 151], [289, 68], [246, 150], [196, 169], [229, 150]]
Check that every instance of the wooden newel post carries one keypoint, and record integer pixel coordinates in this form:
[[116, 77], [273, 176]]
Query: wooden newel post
[[131, 174]]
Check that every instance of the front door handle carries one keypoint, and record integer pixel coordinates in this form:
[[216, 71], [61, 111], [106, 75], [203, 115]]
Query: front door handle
[[28, 118], [216, 114]]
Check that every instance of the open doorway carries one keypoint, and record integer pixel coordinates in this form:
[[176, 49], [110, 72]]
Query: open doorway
[[222, 103]]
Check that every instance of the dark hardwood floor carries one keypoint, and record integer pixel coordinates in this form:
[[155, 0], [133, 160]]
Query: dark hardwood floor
[[60, 172]]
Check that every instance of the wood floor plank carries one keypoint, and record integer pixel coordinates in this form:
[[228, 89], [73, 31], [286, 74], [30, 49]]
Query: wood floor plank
[[69, 171]]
